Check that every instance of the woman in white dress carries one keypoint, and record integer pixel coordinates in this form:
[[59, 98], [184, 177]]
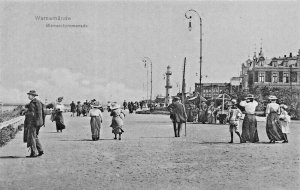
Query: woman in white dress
[[58, 117]]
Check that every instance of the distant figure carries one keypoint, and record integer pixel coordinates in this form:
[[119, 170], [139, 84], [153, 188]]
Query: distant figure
[[130, 107], [249, 129], [141, 105], [85, 108], [273, 126], [233, 117], [195, 111], [210, 113], [78, 109], [33, 122], [285, 119], [96, 120], [117, 120], [58, 118], [125, 105], [73, 108], [202, 113], [177, 115]]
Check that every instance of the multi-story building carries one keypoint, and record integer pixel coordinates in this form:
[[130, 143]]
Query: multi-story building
[[276, 72], [211, 90]]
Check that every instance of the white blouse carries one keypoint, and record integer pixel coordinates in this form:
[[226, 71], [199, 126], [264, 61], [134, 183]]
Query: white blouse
[[273, 107], [60, 107], [95, 112], [250, 106]]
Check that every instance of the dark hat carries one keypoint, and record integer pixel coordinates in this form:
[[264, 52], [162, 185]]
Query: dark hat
[[176, 98], [250, 96], [32, 92], [59, 99]]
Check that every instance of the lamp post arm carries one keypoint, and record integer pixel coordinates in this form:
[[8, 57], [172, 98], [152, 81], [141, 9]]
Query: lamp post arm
[[189, 16]]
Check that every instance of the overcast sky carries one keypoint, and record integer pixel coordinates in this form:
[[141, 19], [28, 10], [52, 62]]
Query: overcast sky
[[104, 60]]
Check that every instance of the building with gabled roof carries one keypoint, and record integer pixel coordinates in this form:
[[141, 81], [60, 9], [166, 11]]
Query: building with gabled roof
[[280, 72]]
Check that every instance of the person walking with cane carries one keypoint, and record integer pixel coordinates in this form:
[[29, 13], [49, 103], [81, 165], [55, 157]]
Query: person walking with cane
[[34, 121], [177, 115]]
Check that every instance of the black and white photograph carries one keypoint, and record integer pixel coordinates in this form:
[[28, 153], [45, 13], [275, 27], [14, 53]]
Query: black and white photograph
[[149, 95]]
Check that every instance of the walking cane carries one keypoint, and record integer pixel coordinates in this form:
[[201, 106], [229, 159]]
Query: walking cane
[[185, 128]]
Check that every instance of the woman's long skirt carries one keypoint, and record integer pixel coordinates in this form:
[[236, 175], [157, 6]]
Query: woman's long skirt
[[210, 118], [249, 129], [95, 127], [117, 125], [273, 127], [59, 121], [202, 116]]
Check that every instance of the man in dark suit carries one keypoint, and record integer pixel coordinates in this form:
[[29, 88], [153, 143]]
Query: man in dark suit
[[33, 121], [177, 115]]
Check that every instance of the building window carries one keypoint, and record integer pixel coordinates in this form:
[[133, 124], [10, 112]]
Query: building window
[[275, 78], [285, 77], [261, 77]]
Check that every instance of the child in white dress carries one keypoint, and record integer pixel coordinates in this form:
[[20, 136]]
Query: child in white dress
[[285, 119]]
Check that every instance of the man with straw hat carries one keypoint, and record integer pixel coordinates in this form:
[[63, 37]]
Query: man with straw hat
[[177, 115], [33, 121], [96, 120], [249, 128], [273, 126]]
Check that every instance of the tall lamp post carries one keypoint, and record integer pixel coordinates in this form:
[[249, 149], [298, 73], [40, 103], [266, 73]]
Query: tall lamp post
[[189, 17], [146, 60]]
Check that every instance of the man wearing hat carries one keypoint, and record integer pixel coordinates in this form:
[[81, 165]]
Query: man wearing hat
[[249, 128], [33, 121], [177, 115]]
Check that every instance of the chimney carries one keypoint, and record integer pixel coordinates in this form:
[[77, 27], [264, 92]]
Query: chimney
[[291, 55]]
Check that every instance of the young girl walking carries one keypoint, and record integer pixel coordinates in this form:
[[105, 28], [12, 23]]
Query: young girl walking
[[285, 119], [233, 117]]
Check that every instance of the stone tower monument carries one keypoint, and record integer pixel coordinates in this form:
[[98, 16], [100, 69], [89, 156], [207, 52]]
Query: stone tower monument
[[168, 86]]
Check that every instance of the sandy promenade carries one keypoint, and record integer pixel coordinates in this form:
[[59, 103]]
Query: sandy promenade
[[149, 157]]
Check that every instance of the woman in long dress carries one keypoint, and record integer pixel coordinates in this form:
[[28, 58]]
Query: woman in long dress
[[58, 118], [249, 128], [117, 120], [96, 120], [273, 126], [202, 113], [210, 113]]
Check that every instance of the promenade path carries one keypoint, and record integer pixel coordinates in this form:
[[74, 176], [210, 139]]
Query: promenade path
[[149, 157]]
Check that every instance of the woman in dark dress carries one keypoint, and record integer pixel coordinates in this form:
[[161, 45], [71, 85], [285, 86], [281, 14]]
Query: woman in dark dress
[[273, 126]]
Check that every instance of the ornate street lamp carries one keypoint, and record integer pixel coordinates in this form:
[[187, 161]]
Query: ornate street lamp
[[189, 17]]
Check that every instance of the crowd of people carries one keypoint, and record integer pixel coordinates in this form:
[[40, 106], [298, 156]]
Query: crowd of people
[[277, 118], [35, 119], [205, 113], [82, 108], [133, 106]]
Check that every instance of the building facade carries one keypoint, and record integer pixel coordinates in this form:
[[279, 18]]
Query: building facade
[[282, 72]]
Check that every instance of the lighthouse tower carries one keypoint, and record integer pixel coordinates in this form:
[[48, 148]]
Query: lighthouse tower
[[168, 86]]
